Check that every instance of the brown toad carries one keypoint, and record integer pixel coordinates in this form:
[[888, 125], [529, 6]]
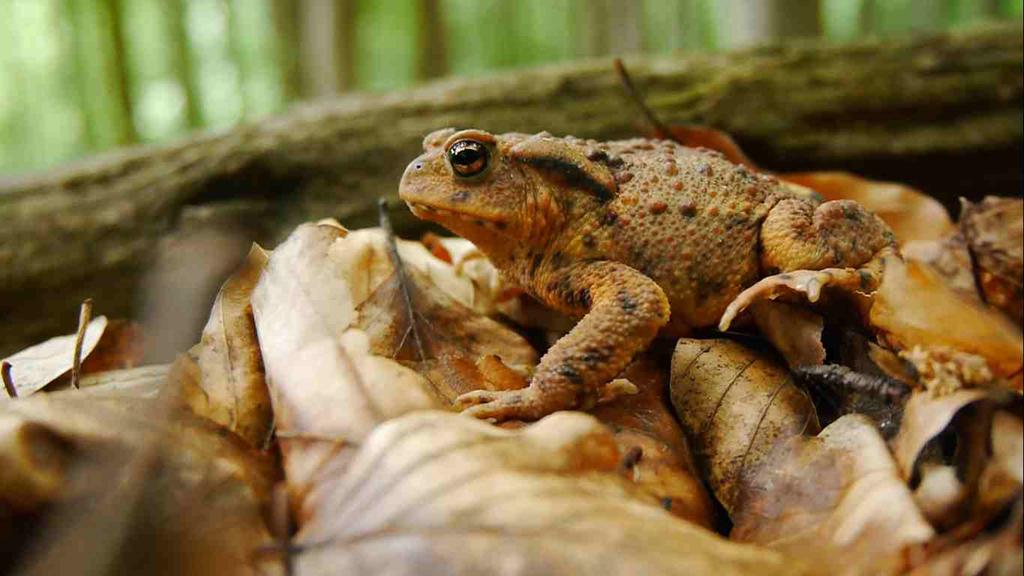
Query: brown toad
[[635, 237]]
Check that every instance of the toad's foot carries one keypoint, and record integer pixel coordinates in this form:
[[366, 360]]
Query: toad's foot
[[807, 282], [528, 404], [500, 405]]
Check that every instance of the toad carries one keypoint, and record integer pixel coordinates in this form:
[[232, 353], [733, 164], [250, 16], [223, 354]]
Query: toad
[[636, 238]]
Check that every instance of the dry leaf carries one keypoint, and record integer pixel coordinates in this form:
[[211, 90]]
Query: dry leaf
[[231, 390], [1002, 480], [644, 425], [836, 498], [132, 486], [994, 229], [950, 259], [924, 417], [940, 495], [439, 493], [410, 320], [914, 308], [737, 405], [335, 328], [996, 552], [328, 391], [120, 347], [792, 330], [142, 382], [35, 367]]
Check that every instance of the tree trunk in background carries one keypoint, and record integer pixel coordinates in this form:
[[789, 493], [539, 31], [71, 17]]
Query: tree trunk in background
[[868, 16], [285, 16], [181, 59], [753, 22], [431, 57], [237, 50], [327, 46], [110, 20], [609, 27], [692, 35], [927, 15], [90, 230]]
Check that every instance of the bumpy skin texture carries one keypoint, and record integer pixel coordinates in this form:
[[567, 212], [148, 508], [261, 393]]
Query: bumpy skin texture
[[635, 237]]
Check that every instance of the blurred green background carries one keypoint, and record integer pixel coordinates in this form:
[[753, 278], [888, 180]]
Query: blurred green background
[[81, 76]]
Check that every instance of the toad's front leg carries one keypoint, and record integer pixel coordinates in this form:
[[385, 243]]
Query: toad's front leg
[[624, 311]]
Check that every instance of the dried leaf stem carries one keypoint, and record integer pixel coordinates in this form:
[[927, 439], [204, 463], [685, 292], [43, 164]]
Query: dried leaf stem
[[84, 316], [403, 279], [5, 374], [659, 128]]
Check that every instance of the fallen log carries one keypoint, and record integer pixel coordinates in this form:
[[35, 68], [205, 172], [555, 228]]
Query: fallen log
[[941, 112]]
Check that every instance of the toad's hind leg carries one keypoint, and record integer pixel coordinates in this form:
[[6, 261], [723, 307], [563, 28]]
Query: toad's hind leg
[[838, 244]]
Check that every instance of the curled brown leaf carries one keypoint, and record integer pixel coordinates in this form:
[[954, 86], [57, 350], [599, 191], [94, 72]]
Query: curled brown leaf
[[231, 389], [736, 404], [836, 498]]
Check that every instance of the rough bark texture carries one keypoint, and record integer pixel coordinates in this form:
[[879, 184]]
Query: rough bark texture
[[942, 112]]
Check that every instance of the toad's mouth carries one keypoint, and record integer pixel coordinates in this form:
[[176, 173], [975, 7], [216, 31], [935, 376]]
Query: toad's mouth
[[444, 216]]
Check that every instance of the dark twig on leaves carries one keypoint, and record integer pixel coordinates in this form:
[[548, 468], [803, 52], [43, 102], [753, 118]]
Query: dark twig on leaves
[[841, 379], [84, 316]]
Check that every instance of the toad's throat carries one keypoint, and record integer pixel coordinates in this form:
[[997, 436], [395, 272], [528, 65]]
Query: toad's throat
[[445, 216]]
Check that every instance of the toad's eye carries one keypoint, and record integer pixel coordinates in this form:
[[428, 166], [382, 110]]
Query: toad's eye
[[468, 157]]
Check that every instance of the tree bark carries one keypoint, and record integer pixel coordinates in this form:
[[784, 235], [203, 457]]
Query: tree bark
[[943, 113]]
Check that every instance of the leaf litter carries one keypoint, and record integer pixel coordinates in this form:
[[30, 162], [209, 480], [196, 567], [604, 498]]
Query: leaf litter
[[328, 368]]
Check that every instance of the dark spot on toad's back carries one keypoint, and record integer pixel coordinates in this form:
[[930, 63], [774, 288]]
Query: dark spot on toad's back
[[627, 303], [594, 357]]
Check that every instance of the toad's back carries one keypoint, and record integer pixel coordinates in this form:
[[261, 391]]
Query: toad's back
[[685, 217]]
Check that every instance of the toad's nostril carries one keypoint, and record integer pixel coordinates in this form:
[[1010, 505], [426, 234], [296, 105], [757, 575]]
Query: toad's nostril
[[418, 166]]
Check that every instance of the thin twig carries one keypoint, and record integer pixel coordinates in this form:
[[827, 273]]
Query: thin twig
[[659, 128], [5, 374], [84, 316], [843, 379]]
